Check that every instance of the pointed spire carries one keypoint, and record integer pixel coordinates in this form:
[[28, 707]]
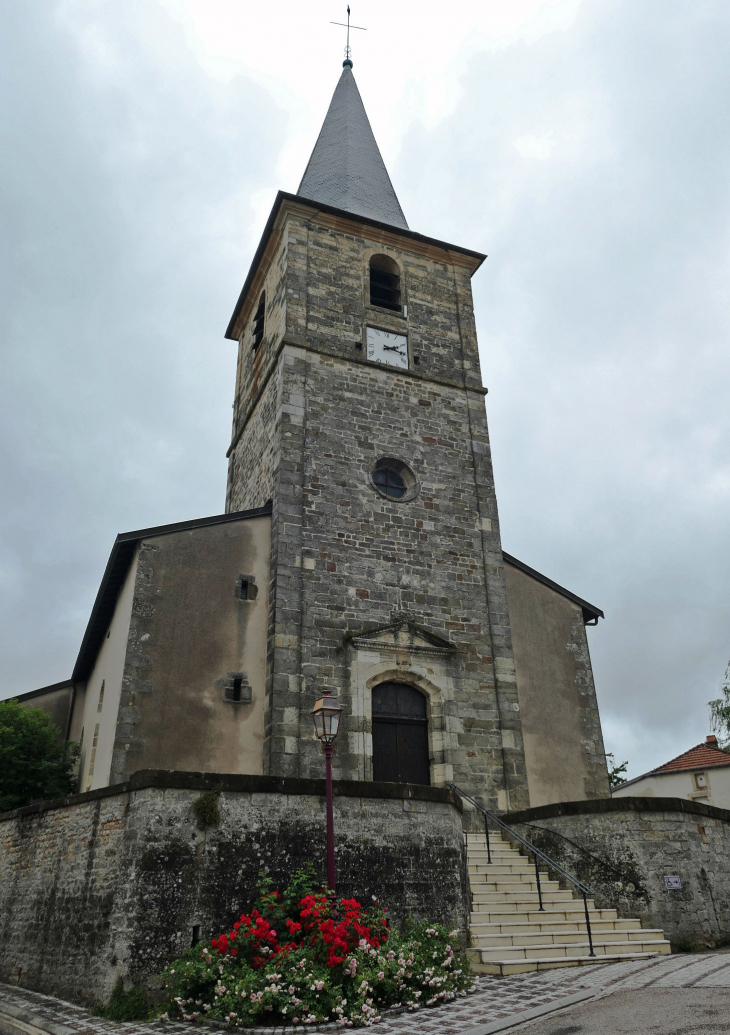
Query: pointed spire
[[346, 169]]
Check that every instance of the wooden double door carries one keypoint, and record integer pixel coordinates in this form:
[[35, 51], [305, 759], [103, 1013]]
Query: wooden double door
[[400, 734]]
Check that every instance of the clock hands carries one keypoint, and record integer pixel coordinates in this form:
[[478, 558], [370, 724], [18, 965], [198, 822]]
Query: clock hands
[[393, 348]]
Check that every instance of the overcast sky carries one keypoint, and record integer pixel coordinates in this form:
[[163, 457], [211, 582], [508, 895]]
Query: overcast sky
[[584, 145]]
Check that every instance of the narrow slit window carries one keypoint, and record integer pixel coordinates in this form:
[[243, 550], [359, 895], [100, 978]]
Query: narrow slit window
[[258, 322], [385, 288], [237, 688], [196, 936], [100, 705]]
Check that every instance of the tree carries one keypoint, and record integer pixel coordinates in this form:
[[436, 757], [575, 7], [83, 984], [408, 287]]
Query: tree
[[720, 712], [616, 773], [34, 762]]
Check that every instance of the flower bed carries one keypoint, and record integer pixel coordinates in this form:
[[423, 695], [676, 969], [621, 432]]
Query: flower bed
[[296, 960]]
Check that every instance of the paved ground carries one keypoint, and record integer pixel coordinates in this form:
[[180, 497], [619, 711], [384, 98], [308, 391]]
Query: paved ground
[[497, 1005], [659, 1011]]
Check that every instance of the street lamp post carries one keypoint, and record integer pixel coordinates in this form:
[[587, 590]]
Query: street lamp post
[[326, 714]]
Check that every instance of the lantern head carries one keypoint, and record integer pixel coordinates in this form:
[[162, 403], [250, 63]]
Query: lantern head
[[326, 714]]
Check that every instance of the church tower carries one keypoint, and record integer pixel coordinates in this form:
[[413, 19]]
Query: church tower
[[359, 412]]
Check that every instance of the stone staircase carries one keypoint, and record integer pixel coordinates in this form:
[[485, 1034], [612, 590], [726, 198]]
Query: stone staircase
[[509, 934]]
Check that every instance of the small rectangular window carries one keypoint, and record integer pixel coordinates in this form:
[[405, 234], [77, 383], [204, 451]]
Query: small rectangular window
[[246, 588], [196, 936], [237, 688], [101, 696]]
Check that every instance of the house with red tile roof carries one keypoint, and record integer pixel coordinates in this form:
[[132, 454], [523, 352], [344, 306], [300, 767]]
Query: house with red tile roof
[[700, 774]]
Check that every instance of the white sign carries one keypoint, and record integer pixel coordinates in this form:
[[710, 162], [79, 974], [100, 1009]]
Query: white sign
[[673, 883]]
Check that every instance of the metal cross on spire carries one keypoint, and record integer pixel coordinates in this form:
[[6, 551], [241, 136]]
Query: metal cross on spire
[[348, 51]]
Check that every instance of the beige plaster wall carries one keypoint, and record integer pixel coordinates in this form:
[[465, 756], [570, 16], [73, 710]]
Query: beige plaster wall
[[682, 785], [98, 719], [191, 633], [55, 703], [560, 722]]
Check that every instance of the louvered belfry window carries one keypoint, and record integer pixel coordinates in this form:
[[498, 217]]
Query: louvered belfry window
[[258, 322], [385, 289]]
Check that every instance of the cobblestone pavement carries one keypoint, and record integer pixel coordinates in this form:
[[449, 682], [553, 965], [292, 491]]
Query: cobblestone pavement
[[495, 1000]]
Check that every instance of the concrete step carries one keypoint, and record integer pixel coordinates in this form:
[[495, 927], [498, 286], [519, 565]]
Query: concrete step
[[502, 882], [490, 940], [502, 871], [510, 934], [550, 950], [504, 967], [521, 896], [515, 915], [555, 926], [496, 853]]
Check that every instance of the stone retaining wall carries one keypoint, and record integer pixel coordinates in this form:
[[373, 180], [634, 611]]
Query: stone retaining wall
[[112, 883], [624, 847]]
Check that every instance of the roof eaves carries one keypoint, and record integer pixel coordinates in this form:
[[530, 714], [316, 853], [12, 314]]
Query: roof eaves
[[115, 573], [283, 196], [41, 690], [591, 613]]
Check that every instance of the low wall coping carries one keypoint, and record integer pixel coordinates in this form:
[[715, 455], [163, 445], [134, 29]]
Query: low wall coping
[[597, 806], [248, 784]]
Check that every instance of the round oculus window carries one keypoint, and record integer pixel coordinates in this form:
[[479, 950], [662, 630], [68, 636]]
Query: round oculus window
[[394, 479]]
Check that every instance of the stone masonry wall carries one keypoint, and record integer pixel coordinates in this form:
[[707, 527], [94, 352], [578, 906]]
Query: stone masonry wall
[[623, 848], [254, 460], [348, 558], [113, 882], [343, 557]]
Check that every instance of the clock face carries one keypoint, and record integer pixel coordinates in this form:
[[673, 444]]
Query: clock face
[[387, 347]]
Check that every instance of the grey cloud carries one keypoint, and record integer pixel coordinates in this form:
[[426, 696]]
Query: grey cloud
[[602, 311]]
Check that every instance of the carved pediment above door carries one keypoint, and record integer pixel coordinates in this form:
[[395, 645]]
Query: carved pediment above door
[[403, 633]]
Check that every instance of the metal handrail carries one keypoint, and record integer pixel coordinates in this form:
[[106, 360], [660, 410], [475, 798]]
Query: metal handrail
[[570, 841], [584, 890]]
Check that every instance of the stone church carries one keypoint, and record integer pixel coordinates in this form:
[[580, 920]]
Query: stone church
[[360, 548]]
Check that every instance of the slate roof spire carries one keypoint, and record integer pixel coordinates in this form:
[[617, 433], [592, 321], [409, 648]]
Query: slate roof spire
[[346, 169]]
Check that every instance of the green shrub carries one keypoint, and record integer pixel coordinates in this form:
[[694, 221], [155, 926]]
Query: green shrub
[[35, 762], [297, 961], [131, 1005], [206, 810]]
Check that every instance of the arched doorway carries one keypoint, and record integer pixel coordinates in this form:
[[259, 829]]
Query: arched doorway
[[400, 734]]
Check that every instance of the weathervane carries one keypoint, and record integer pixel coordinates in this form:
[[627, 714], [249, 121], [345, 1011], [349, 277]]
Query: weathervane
[[348, 52]]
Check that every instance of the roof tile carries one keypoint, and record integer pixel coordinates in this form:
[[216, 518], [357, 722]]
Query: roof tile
[[703, 756]]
